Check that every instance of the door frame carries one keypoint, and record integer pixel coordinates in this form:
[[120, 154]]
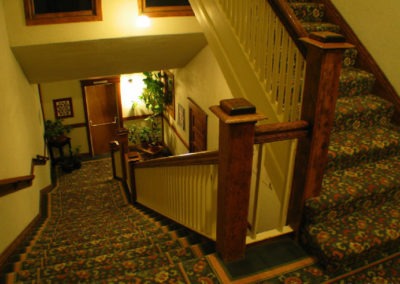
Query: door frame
[[100, 81]]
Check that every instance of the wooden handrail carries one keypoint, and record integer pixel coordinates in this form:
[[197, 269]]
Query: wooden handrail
[[199, 158], [11, 185], [274, 132], [292, 24]]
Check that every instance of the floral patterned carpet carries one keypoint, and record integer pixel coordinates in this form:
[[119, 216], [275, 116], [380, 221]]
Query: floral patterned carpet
[[356, 219], [92, 235]]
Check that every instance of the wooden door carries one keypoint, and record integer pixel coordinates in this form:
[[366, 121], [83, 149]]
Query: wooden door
[[102, 115], [197, 128]]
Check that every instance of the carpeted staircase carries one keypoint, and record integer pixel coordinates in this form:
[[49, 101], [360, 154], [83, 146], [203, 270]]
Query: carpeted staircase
[[94, 235], [356, 219]]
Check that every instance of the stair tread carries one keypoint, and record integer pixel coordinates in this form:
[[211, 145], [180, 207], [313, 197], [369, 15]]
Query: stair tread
[[127, 272], [345, 191], [349, 148], [165, 255], [370, 231], [355, 81], [320, 27], [356, 112]]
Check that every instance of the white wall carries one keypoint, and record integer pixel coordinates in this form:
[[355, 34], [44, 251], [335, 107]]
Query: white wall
[[201, 80], [22, 139], [376, 23]]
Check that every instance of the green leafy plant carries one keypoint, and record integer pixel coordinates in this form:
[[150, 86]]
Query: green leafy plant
[[55, 129], [155, 94]]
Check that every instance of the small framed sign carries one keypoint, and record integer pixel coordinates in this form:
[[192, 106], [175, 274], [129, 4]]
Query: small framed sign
[[63, 108]]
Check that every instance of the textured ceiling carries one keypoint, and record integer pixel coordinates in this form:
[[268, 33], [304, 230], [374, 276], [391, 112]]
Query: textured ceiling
[[85, 59]]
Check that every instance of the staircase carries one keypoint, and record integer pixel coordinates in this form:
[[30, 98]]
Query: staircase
[[356, 218], [94, 235]]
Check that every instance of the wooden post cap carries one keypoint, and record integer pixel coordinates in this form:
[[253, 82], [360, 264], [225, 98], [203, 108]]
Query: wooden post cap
[[237, 106]]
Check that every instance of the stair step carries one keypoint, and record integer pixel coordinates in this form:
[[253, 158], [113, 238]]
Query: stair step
[[345, 191], [355, 82], [355, 239], [129, 260], [357, 112], [320, 27], [349, 148], [308, 11]]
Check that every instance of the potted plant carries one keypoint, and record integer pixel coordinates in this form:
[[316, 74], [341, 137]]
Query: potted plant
[[55, 130]]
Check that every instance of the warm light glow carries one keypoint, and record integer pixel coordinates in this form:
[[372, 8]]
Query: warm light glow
[[143, 22], [131, 89]]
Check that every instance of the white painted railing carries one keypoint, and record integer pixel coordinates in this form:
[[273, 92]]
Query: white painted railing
[[275, 58], [186, 194], [261, 63]]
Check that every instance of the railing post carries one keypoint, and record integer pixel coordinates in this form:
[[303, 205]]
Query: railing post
[[122, 138], [236, 140], [324, 60]]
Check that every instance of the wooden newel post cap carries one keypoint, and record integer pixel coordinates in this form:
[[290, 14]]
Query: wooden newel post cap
[[238, 110]]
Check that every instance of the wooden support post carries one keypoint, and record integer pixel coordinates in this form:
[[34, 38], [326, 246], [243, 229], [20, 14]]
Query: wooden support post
[[236, 141], [324, 60]]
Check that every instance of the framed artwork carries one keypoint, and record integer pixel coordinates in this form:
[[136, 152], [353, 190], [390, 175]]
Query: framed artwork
[[40, 12], [63, 108], [169, 91], [165, 8], [181, 116]]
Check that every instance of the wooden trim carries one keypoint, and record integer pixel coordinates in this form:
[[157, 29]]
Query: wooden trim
[[65, 17], [198, 158], [164, 11], [382, 87], [10, 185], [10, 250], [321, 90], [281, 131]]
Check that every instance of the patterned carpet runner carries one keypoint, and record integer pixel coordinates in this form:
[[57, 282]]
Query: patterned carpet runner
[[356, 219], [94, 235]]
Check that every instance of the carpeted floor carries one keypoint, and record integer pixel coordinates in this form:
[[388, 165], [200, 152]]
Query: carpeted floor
[[93, 235]]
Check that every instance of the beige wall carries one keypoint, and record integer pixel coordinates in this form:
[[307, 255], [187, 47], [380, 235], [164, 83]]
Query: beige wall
[[119, 20], [67, 89], [22, 139], [377, 23], [201, 80]]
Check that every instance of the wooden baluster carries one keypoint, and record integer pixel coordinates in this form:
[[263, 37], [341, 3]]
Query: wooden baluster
[[324, 60], [236, 141]]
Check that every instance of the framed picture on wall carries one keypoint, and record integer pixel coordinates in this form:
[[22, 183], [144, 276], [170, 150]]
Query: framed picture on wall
[[40, 12], [165, 8], [63, 108], [181, 116], [169, 91]]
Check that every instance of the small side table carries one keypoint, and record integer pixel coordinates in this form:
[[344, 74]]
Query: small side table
[[59, 143]]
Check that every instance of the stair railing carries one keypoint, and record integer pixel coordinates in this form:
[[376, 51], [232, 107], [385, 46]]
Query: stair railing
[[306, 79], [182, 188]]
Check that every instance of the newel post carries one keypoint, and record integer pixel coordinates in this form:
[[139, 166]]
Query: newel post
[[122, 138], [236, 140], [321, 89]]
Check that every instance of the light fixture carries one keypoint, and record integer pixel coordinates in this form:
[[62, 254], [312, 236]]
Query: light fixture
[[143, 22]]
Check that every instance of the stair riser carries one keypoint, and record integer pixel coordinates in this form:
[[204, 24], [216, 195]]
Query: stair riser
[[309, 12], [315, 216]]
